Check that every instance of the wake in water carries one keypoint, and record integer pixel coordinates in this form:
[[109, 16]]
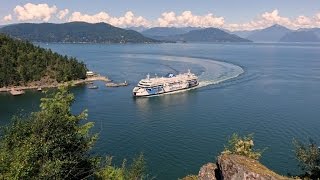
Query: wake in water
[[215, 71]]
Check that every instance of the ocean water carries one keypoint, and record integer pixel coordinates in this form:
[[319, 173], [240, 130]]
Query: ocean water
[[271, 90]]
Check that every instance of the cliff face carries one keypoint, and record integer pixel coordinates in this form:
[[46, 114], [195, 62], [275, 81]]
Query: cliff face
[[235, 167]]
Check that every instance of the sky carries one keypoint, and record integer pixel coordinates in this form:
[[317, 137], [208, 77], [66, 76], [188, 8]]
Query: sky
[[227, 14]]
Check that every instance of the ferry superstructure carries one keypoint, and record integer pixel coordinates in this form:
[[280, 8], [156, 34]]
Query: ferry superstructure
[[161, 85]]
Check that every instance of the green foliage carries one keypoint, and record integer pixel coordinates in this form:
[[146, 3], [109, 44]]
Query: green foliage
[[308, 156], [242, 146], [110, 171], [136, 171], [49, 144], [22, 62]]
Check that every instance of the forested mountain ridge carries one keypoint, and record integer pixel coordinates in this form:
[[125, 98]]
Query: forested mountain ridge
[[21, 62], [74, 32], [208, 35]]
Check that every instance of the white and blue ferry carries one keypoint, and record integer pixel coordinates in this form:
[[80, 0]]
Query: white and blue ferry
[[162, 85]]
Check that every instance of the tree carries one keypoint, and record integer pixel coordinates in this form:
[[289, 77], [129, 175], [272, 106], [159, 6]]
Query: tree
[[48, 144], [242, 146], [308, 156]]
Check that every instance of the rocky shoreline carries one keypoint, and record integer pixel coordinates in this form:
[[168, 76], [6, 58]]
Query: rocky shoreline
[[35, 86], [236, 167]]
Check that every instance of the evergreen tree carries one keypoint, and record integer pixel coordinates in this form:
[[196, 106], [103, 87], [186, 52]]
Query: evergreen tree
[[48, 144]]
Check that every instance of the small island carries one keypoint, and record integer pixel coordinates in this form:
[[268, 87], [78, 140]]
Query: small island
[[26, 66]]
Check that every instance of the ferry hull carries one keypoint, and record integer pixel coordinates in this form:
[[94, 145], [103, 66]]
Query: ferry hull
[[142, 93]]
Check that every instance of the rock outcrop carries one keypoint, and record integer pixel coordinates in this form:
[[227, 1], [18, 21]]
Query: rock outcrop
[[236, 167], [208, 172]]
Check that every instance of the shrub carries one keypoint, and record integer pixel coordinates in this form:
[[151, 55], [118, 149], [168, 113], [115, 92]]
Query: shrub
[[308, 156], [242, 146], [136, 171]]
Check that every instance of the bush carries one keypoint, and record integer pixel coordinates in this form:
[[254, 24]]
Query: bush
[[308, 156], [136, 171], [242, 146]]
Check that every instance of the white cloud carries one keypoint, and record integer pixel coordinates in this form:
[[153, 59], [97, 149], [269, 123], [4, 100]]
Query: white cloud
[[267, 19], [7, 18], [188, 19], [31, 11], [129, 19], [62, 13]]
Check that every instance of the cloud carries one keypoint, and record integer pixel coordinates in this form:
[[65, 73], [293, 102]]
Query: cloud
[[7, 18], [188, 19], [129, 19], [62, 13], [31, 11], [264, 20], [267, 19]]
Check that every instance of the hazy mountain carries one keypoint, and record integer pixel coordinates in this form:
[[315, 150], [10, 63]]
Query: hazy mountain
[[300, 36], [244, 33], [163, 31], [207, 35], [315, 30], [271, 34], [74, 32], [137, 28]]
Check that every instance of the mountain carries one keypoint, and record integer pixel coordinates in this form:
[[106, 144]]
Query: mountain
[[244, 33], [162, 33], [315, 30], [300, 36], [271, 34], [74, 32], [137, 28], [208, 35]]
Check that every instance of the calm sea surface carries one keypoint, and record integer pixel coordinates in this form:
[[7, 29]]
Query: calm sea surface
[[271, 90]]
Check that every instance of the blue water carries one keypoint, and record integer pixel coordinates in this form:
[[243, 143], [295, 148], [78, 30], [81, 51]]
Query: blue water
[[276, 97]]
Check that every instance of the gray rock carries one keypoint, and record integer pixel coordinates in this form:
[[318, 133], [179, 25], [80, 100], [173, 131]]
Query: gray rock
[[207, 172], [235, 167]]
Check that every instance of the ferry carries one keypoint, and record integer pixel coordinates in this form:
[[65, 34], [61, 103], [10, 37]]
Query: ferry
[[162, 85]]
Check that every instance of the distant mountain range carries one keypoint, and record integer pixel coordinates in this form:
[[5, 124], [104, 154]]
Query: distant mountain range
[[316, 31], [81, 32], [278, 33], [167, 31], [191, 34], [270, 34], [137, 28], [300, 36], [208, 35], [74, 32]]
